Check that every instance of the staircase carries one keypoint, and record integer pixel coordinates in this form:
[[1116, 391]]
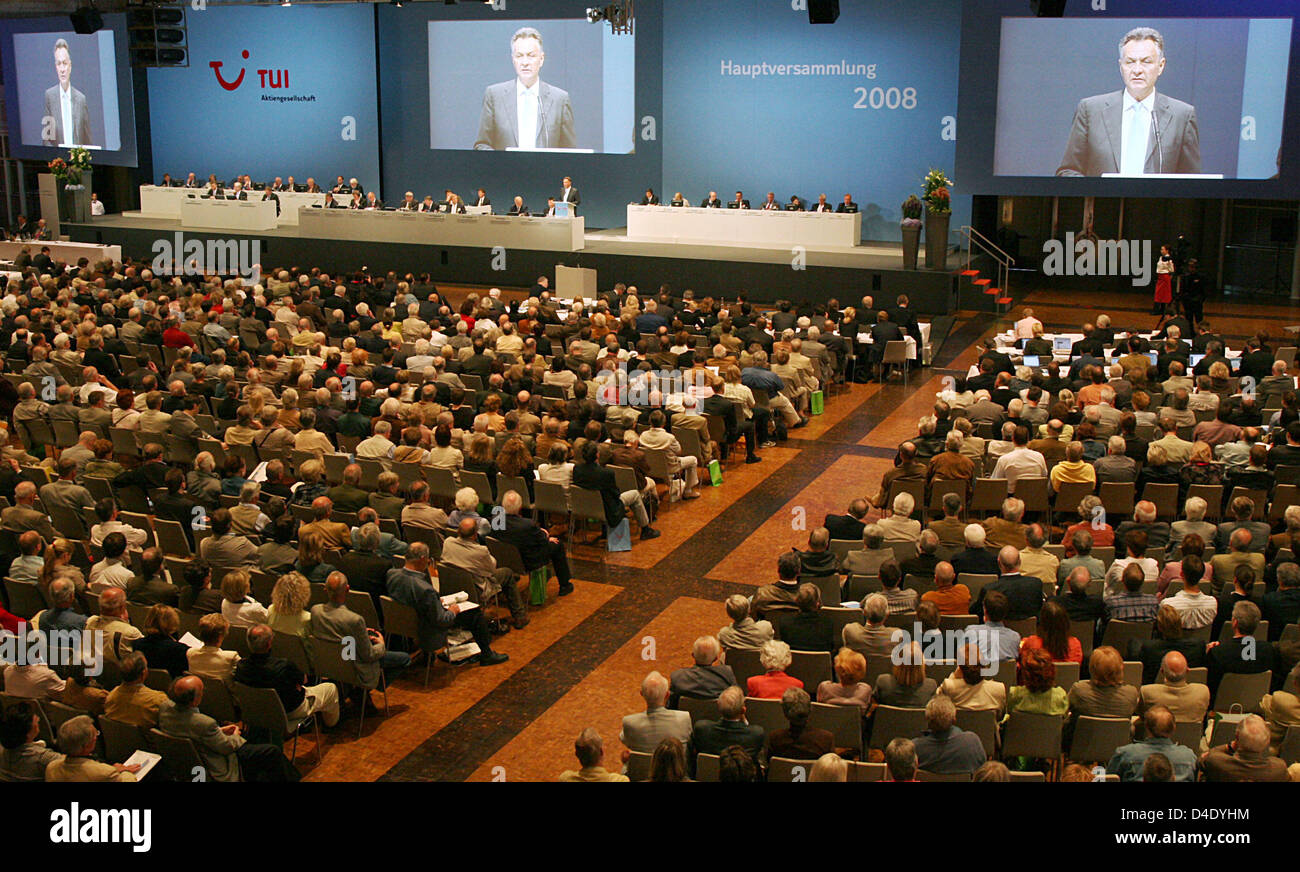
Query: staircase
[[994, 289]]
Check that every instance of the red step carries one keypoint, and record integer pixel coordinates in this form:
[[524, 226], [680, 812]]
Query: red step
[[992, 290], [984, 282], [1004, 301], [970, 272]]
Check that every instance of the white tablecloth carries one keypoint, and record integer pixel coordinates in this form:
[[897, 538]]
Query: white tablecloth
[[159, 202], [748, 226], [68, 252], [247, 214]]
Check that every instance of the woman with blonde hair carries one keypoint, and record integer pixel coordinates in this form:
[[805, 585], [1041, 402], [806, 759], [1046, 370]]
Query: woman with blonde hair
[[848, 688], [58, 564], [829, 767], [159, 645], [1103, 694], [237, 607], [289, 600], [311, 558], [906, 685], [289, 410]]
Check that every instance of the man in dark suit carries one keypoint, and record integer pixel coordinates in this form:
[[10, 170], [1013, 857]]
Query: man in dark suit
[[1024, 593], [906, 319], [518, 207], [569, 194], [848, 526], [481, 199], [731, 728], [525, 113], [848, 206], [1134, 131], [739, 203], [1241, 654], [711, 201], [536, 546], [1090, 344], [707, 679], [882, 332], [65, 105], [592, 476], [237, 192], [821, 205], [410, 585], [178, 506]]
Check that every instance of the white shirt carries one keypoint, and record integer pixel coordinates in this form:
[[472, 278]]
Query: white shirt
[[1020, 463], [1133, 161], [65, 108], [527, 103], [564, 196], [1025, 327], [96, 207], [1197, 610], [106, 574]]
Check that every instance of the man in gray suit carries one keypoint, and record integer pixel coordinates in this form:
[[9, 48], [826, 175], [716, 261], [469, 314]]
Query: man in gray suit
[[644, 731], [525, 112], [335, 622], [226, 755], [65, 493], [1134, 131], [24, 516], [65, 105]]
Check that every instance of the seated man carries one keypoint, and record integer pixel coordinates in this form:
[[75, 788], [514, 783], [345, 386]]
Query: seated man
[[333, 621], [590, 750], [1129, 760], [731, 728], [411, 586], [944, 748], [464, 552], [706, 679], [131, 702], [77, 739], [536, 546], [598, 477], [227, 756], [261, 669], [644, 731], [1246, 757]]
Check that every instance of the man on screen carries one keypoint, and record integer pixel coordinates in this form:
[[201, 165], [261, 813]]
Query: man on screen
[[65, 105], [1134, 131], [525, 113]]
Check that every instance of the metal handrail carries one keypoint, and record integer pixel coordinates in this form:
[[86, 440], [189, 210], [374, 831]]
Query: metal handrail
[[986, 245]]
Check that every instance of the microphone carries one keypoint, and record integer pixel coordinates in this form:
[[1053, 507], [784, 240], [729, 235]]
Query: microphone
[[1160, 151]]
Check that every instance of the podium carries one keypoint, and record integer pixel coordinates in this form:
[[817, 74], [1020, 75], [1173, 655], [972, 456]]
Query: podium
[[575, 282]]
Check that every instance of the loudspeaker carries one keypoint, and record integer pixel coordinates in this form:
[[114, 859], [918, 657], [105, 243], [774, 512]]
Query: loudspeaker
[[86, 20], [1048, 8], [1282, 230], [823, 11]]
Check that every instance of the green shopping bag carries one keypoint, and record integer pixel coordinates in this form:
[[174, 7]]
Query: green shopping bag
[[715, 473], [817, 404], [537, 585]]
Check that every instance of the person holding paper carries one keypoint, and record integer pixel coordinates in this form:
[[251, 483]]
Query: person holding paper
[[525, 113], [1134, 131], [411, 586]]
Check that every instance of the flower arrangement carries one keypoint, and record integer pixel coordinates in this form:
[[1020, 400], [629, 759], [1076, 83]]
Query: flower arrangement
[[69, 171], [911, 209], [937, 187]]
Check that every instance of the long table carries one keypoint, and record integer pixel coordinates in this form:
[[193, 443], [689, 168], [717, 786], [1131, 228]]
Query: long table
[[425, 228], [228, 214], [68, 252], [749, 226], [159, 202]]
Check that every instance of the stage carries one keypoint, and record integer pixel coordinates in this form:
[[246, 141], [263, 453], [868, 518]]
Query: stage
[[765, 273]]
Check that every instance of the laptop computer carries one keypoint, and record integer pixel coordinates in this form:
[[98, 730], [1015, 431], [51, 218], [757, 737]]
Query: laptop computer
[[1195, 359], [1031, 360], [1153, 357], [1062, 343]]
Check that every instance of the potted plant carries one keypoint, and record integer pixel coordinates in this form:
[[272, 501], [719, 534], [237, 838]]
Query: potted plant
[[911, 227], [74, 197], [938, 206]]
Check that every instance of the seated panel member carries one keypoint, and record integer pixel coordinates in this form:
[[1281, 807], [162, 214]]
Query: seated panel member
[[795, 204], [481, 199], [739, 203], [770, 204], [821, 205], [453, 203], [847, 206], [518, 207], [712, 201], [409, 203], [679, 201], [427, 204], [550, 208], [649, 199]]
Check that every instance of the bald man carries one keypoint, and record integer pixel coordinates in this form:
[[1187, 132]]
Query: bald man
[[226, 755], [1188, 702]]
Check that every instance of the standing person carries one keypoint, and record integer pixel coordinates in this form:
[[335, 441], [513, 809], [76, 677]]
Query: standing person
[[1164, 281], [1193, 294]]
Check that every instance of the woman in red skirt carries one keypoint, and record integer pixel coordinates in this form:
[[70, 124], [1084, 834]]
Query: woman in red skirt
[[1164, 281]]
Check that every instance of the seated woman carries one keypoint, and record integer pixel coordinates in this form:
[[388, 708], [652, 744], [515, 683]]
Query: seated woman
[[906, 686], [479, 459], [1037, 693], [237, 607], [160, 645], [289, 600], [557, 469], [668, 764], [235, 470], [311, 560], [1103, 694], [1103, 535], [467, 507], [1201, 468], [1053, 635], [848, 688], [808, 629], [103, 466], [210, 659], [775, 657], [515, 461], [970, 689]]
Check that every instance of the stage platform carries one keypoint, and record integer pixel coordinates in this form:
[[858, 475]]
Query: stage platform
[[765, 273]]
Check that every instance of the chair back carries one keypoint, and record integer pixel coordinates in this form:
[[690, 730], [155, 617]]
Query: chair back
[[261, 707], [453, 579], [891, 722], [810, 667], [638, 766], [1242, 689], [841, 618], [121, 740], [699, 709], [550, 497], [24, 597], [180, 759], [479, 481], [507, 483], [294, 648], [442, 482], [331, 665], [785, 770], [744, 663], [983, 724], [1032, 735], [707, 767], [843, 721], [1095, 739], [587, 504], [218, 701], [766, 713]]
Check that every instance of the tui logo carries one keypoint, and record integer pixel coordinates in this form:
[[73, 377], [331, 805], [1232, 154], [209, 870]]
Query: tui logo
[[229, 86]]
